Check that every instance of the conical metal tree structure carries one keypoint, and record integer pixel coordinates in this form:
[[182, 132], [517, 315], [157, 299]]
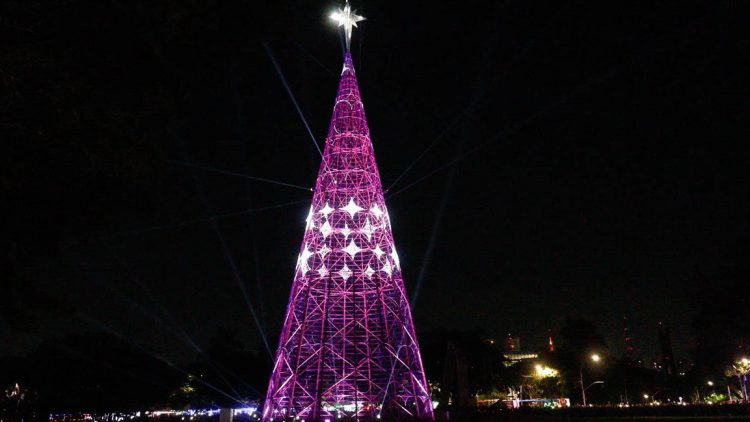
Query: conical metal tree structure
[[348, 346]]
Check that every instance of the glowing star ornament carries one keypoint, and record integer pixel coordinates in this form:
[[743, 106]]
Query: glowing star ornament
[[367, 229], [348, 348], [326, 210], [376, 211], [352, 208], [394, 256], [348, 19], [326, 229], [387, 268], [303, 257], [325, 250], [309, 219], [345, 273], [352, 249]]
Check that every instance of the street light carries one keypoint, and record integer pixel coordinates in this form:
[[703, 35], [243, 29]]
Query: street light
[[594, 358]]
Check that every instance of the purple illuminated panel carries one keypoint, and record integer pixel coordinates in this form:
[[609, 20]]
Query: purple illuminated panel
[[348, 346]]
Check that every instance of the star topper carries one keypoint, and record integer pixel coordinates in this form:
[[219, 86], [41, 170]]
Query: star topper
[[347, 19]]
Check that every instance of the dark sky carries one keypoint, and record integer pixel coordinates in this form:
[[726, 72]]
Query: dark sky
[[590, 155]]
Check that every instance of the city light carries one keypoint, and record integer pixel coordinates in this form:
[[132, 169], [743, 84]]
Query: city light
[[541, 371], [187, 414]]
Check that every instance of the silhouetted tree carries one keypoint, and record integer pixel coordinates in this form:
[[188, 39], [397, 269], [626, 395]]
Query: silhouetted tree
[[96, 372], [462, 363], [579, 340], [228, 373], [721, 323]]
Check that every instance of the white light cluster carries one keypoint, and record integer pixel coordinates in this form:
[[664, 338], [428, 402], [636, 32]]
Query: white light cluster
[[351, 248], [347, 18]]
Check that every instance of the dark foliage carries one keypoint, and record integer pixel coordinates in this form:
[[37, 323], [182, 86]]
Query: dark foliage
[[93, 372], [721, 321], [227, 374], [462, 364]]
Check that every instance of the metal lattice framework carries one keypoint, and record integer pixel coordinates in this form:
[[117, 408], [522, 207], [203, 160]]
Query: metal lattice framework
[[348, 347]]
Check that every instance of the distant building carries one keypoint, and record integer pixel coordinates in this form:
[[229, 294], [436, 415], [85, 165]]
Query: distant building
[[511, 344], [667, 357], [551, 343], [627, 339], [513, 358], [513, 353]]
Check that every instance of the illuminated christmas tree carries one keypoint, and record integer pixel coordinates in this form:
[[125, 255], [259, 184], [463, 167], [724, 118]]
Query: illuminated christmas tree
[[348, 346]]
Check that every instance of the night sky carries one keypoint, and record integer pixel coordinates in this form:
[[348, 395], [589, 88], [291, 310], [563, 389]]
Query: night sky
[[582, 158]]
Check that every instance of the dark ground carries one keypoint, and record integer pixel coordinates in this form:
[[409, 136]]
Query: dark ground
[[663, 413], [602, 419]]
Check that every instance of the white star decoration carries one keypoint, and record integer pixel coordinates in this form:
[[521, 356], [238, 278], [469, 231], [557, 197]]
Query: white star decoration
[[303, 257], [326, 210], [347, 19], [326, 229], [379, 252], [369, 271], [324, 251], [376, 211], [346, 231], [305, 254], [352, 249], [387, 268], [345, 273], [323, 271], [352, 208], [309, 218], [367, 229], [394, 255]]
